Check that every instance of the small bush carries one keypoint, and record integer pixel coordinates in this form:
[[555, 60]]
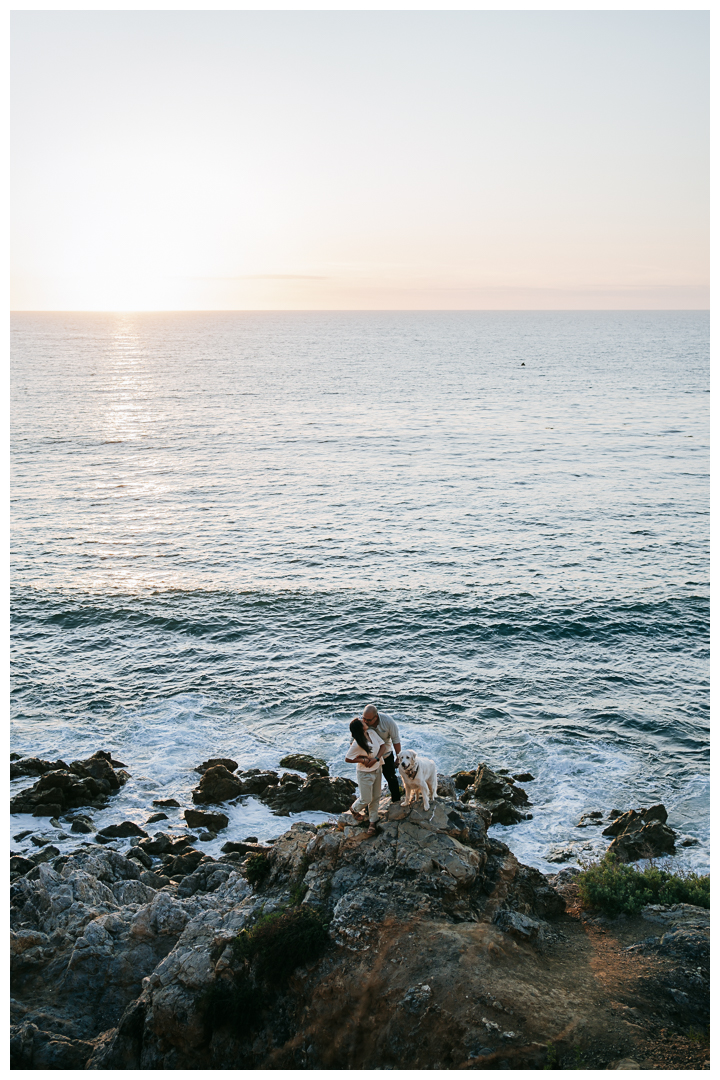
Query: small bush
[[281, 941], [258, 866], [614, 887], [297, 894]]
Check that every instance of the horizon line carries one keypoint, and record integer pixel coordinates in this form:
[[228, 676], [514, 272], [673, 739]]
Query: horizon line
[[324, 311]]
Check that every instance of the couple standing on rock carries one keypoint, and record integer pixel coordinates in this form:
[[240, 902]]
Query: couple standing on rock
[[374, 737]]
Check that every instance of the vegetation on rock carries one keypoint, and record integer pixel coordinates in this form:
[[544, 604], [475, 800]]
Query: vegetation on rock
[[614, 887]]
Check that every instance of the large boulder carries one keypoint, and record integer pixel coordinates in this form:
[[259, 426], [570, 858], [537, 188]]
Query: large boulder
[[305, 763], [228, 763], [34, 766], [82, 783], [499, 793], [254, 781], [641, 834], [197, 819], [217, 785], [332, 794]]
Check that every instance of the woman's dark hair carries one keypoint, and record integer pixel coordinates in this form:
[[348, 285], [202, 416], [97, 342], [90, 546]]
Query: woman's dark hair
[[358, 733]]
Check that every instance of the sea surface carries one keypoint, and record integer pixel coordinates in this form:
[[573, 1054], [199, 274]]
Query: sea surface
[[231, 531]]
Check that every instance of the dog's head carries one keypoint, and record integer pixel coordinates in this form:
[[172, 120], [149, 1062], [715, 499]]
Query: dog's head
[[408, 762]]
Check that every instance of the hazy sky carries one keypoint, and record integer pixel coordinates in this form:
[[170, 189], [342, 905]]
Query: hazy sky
[[229, 159]]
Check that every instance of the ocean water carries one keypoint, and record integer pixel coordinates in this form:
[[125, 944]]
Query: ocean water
[[231, 531]]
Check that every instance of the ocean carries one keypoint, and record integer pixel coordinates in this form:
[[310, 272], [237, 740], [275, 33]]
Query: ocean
[[231, 531]]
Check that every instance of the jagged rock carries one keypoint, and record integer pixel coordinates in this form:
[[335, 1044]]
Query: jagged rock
[[331, 794], [217, 785], [82, 783], [523, 777], [645, 843], [159, 844], [33, 766], [45, 855], [446, 786], [20, 865], [81, 824], [522, 927], [165, 802], [498, 792], [244, 848], [227, 763], [123, 830], [463, 779], [635, 819], [254, 781], [32, 1048], [594, 817], [156, 817], [305, 763], [200, 819]]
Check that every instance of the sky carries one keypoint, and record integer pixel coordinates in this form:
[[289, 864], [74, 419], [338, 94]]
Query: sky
[[260, 160]]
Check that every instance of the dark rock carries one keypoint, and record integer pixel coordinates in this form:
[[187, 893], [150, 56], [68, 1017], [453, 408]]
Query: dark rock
[[165, 802], [463, 779], [184, 863], [228, 763], [255, 781], [34, 767], [523, 777], [32, 1048], [251, 839], [45, 855], [634, 819], [615, 813], [20, 865], [159, 844], [21, 835], [305, 763], [446, 786], [81, 824], [522, 927], [124, 829], [201, 819], [39, 841], [82, 783], [332, 795], [156, 817], [217, 785], [244, 848], [594, 817], [644, 843]]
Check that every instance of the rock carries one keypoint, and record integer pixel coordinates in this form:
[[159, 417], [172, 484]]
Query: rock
[[635, 819], [625, 1063], [251, 839], [255, 781], [305, 763], [227, 763], [522, 927], [594, 817], [21, 835], [687, 841], [523, 777], [217, 785], [32, 1048], [644, 843], [329, 794], [165, 802], [244, 848], [159, 844], [561, 853], [206, 837], [82, 783], [124, 829], [20, 865], [82, 824], [45, 855], [200, 819], [34, 767], [566, 876], [463, 779], [678, 916], [446, 786], [156, 817]]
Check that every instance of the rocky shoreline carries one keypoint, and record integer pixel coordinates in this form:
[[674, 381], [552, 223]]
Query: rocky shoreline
[[430, 945]]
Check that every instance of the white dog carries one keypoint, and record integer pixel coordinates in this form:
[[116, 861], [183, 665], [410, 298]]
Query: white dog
[[419, 776]]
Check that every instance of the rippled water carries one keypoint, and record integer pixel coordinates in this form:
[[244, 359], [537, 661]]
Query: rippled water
[[230, 531]]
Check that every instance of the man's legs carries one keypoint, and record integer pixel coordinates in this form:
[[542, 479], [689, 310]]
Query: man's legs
[[391, 777]]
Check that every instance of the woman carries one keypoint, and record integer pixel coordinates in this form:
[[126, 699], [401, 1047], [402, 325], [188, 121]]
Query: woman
[[366, 752]]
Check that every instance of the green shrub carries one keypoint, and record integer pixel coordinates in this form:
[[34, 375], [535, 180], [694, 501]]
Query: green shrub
[[281, 941], [614, 887], [297, 894], [258, 866]]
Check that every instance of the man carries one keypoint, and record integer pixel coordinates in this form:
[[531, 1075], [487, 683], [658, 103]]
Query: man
[[387, 729]]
